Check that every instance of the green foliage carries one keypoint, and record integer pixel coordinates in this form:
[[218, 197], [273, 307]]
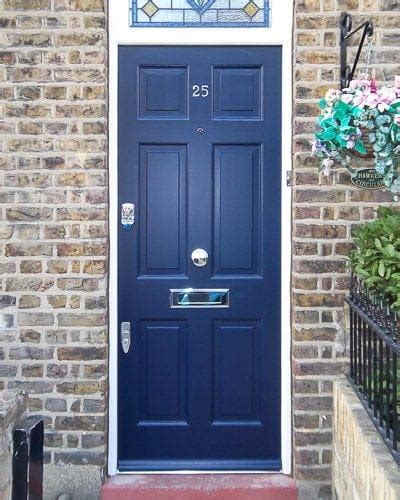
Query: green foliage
[[338, 131], [356, 122], [376, 257]]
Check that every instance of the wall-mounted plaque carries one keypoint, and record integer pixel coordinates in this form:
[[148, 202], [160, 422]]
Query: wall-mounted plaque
[[367, 178]]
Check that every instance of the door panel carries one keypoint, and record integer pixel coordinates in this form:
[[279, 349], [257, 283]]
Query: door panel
[[199, 156], [163, 92], [162, 373], [237, 92], [236, 373], [163, 211], [237, 190]]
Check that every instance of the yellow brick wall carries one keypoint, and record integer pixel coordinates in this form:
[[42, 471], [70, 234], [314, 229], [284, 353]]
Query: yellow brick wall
[[363, 468]]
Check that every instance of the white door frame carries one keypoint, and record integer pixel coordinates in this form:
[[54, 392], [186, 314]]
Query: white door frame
[[279, 34]]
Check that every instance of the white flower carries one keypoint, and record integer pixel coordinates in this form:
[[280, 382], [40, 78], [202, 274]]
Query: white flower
[[347, 98], [327, 166], [332, 95]]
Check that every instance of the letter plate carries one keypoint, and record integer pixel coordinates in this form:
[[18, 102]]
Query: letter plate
[[199, 298]]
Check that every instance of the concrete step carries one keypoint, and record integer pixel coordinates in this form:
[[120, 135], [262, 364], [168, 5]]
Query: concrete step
[[199, 487]]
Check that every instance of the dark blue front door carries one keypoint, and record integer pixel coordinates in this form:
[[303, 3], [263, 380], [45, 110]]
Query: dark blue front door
[[199, 156]]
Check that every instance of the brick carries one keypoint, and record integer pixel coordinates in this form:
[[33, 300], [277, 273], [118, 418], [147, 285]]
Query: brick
[[314, 474], [7, 370], [28, 214], [94, 371], [82, 5], [313, 403], [319, 368], [312, 438], [92, 440], [7, 301], [320, 266], [31, 387], [302, 386], [87, 284], [21, 284], [57, 371], [31, 39], [318, 300], [80, 388], [22, 250], [93, 406], [320, 231], [80, 458], [53, 439], [307, 457], [31, 266], [29, 336], [32, 370], [31, 352], [85, 423], [96, 303], [315, 334], [75, 179], [81, 319], [56, 405], [35, 319], [57, 267], [81, 353], [305, 421], [26, 5], [29, 302], [72, 441]]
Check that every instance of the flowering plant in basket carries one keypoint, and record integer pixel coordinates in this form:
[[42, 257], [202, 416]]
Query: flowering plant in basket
[[362, 120]]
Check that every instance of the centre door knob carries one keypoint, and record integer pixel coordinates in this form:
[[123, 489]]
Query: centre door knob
[[199, 257]]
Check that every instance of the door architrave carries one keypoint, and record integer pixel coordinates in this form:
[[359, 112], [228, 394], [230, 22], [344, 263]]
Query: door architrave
[[279, 34]]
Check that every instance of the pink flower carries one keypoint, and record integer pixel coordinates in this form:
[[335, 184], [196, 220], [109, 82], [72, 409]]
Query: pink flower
[[360, 99]]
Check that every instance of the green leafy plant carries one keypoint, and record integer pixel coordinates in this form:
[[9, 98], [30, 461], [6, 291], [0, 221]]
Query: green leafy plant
[[376, 257]]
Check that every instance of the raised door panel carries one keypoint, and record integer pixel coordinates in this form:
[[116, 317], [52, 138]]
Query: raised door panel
[[236, 373], [237, 93], [162, 373], [163, 92], [237, 210], [163, 172]]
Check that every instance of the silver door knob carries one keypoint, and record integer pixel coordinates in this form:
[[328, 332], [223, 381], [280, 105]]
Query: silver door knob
[[199, 257]]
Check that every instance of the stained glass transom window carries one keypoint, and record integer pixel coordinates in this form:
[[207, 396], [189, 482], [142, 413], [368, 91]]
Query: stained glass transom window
[[200, 13]]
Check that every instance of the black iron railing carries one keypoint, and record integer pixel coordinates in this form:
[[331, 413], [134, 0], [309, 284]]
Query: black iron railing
[[374, 361]]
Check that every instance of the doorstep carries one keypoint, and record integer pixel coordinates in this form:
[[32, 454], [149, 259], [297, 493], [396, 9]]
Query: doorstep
[[200, 486]]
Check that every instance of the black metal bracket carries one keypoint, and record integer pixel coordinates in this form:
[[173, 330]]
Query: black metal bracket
[[346, 24]]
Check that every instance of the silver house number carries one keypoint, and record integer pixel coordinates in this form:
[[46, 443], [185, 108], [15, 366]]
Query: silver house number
[[200, 91]]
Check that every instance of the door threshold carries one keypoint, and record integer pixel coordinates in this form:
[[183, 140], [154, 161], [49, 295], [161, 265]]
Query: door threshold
[[196, 487], [195, 472]]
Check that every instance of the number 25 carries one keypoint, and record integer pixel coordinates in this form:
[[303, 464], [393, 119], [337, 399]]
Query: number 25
[[200, 91]]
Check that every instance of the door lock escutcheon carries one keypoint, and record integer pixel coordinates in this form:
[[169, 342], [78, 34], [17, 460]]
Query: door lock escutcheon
[[125, 336]]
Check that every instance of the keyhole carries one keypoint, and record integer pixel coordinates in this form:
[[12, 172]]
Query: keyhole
[[200, 130]]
